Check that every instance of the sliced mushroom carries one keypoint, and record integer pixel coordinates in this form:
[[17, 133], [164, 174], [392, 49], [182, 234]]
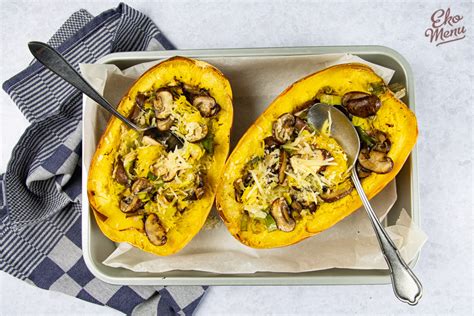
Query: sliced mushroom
[[136, 114], [270, 142], [296, 206], [362, 172], [312, 207], [140, 99], [163, 104], [281, 213], [195, 132], [375, 161], [191, 89], [283, 128], [120, 175], [282, 166], [206, 105], [164, 173], [248, 179], [382, 144], [164, 124], [337, 193], [141, 185], [300, 124], [199, 193], [155, 231], [238, 189], [361, 104], [130, 204]]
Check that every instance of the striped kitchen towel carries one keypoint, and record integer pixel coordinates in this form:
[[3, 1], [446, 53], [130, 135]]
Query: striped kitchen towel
[[40, 217]]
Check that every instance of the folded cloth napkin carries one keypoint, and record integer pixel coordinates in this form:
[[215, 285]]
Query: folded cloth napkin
[[40, 218]]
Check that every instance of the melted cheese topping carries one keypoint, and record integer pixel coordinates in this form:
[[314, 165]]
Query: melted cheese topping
[[304, 179]]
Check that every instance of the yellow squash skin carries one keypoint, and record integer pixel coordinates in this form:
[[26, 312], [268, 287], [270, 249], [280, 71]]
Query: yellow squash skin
[[101, 187], [393, 117]]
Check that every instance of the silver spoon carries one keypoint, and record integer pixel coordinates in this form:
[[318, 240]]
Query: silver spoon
[[55, 62], [406, 286]]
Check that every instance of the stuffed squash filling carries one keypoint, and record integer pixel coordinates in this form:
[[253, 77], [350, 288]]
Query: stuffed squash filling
[[159, 173], [299, 168]]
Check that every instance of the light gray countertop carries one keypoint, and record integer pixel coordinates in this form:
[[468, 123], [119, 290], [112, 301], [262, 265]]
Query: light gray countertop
[[443, 79]]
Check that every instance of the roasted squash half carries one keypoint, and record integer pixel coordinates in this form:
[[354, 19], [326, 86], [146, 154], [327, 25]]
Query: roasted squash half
[[155, 189], [286, 181]]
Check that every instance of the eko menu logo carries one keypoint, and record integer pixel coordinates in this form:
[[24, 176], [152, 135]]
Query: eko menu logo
[[445, 27]]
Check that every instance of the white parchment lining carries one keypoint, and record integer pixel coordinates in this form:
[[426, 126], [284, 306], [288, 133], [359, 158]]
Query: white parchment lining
[[256, 81]]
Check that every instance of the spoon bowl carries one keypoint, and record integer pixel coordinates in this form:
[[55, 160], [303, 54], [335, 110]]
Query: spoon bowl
[[341, 129]]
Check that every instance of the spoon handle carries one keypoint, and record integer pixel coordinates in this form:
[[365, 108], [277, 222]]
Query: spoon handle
[[55, 62], [406, 286]]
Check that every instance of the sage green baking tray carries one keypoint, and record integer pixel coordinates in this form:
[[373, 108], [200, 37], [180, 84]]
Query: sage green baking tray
[[97, 247]]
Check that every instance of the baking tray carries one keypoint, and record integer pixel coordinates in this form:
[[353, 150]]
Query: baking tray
[[96, 247]]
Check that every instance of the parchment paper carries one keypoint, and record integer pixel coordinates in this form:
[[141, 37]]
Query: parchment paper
[[256, 81]]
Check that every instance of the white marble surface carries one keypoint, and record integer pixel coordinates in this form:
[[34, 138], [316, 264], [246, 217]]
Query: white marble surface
[[443, 77]]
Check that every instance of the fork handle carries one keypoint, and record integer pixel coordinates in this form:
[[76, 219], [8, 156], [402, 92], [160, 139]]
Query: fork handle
[[55, 62], [405, 284]]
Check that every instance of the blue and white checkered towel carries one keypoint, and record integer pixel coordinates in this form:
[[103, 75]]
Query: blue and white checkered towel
[[40, 222]]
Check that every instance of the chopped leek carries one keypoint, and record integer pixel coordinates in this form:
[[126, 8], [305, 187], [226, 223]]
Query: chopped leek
[[270, 223]]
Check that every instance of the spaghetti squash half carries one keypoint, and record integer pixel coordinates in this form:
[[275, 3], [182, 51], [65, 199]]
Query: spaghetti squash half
[[286, 181], [155, 189]]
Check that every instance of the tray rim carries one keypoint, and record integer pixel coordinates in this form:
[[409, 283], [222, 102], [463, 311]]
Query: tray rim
[[249, 279]]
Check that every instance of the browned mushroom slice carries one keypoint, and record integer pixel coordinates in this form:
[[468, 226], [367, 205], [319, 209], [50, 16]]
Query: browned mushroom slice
[[191, 89], [282, 167], [206, 105], [195, 132], [140, 99], [135, 114], [281, 213], [155, 231], [375, 161], [164, 124], [141, 185], [130, 204], [296, 206], [361, 104], [300, 124], [283, 128], [163, 104], [120, 175], [270, 142], [382, 144], [332, 195], [362, 172]]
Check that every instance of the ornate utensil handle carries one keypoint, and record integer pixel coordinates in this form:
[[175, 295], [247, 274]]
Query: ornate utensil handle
[[405, 284]]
